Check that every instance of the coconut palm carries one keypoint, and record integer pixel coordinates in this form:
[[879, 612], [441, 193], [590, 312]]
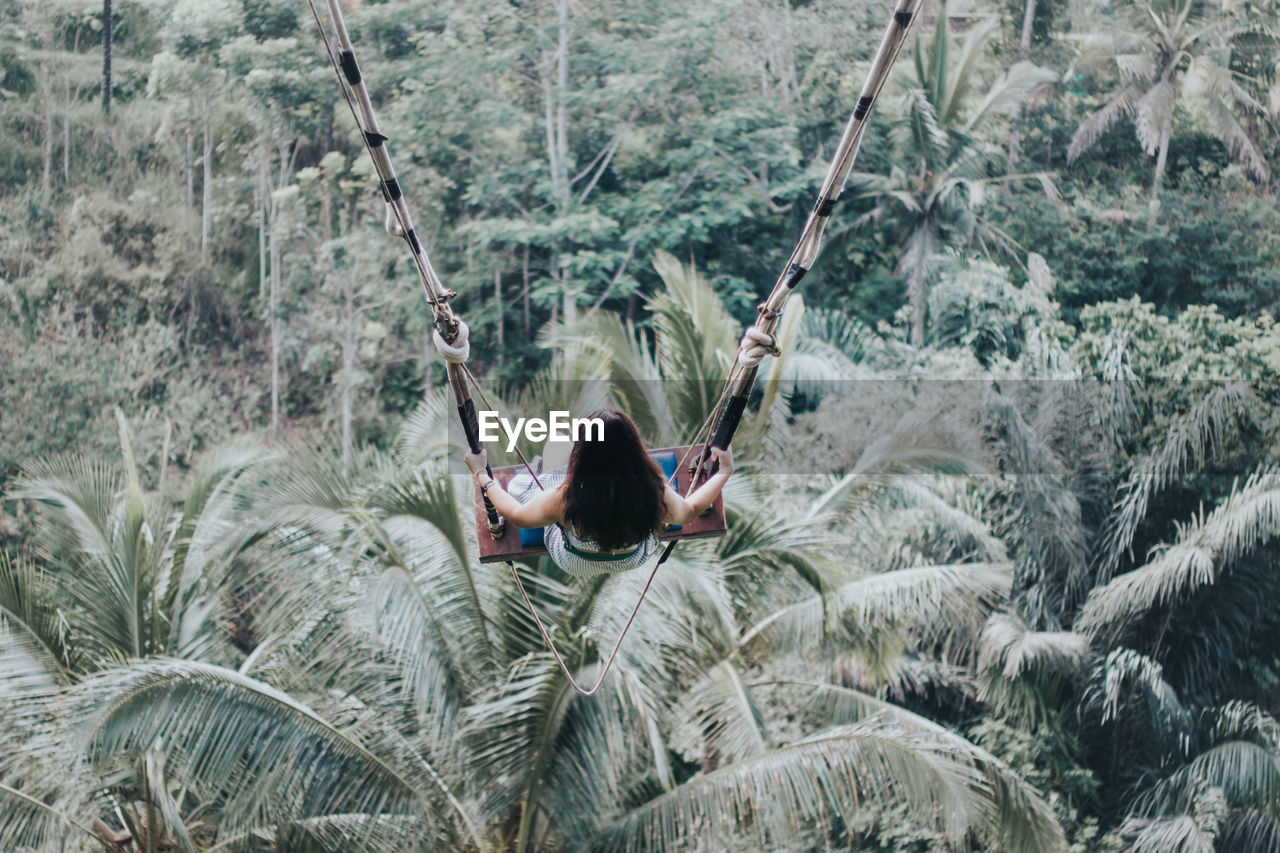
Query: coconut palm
[[376, 687], [1174, 56], [256, 711], [940, 165]]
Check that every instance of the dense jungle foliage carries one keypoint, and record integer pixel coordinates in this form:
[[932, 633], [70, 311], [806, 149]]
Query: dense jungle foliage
[[1001, 570]]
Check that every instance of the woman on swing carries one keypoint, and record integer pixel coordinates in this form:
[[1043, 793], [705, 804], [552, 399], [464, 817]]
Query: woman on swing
[[603, 509]]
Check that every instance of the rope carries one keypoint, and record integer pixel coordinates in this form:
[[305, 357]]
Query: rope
[[397, 220], [458, 351], [546, 638], [756, 344]]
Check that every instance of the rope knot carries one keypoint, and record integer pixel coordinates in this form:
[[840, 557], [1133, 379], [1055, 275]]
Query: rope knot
[[755, 346], [458, 351]]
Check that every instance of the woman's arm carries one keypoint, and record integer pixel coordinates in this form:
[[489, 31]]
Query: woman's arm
[[546, 508], [682, 510]]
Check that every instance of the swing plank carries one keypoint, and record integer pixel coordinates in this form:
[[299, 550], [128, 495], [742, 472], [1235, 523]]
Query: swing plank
[[517, 544]]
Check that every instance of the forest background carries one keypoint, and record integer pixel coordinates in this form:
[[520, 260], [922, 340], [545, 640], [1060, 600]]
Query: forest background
[[1020, 593]]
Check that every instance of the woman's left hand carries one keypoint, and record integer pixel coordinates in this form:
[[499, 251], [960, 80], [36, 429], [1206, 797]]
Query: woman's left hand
[[476, 461]]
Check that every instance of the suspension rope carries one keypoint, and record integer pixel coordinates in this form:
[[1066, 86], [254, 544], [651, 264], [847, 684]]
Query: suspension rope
[[397, 219], [759, 339]]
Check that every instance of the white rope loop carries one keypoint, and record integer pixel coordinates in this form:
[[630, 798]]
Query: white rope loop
[[458, 351], [392, 222], [756, 344]]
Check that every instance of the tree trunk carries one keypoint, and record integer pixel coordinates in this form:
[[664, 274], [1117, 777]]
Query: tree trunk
[[1024, 49], [497, 304], [106, 56], [189, 166], [524, 294], [273, 252], [46, 175], [66, 141], [72, 94], [44, 84], [916, 297], [206, 190], [348, 372], [556, 116], [263, 198], [326, 207], [1166, 131]]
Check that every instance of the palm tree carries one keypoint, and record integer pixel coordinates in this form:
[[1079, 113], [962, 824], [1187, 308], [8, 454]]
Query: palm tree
[[378, 687], [175, 667], [941, 167], [1172, 55], [708, 639]]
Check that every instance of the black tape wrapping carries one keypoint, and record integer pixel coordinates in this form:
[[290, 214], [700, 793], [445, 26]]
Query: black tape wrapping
[[863, 107], [350, 68], [792, 276], [375, 140], [470, 424], [729, 420], [412, 237], [903, 19], [391, 189], [825, 206]]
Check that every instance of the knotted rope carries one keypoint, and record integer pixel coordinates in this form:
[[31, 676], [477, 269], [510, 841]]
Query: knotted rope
[[756, 344], [460, 350]]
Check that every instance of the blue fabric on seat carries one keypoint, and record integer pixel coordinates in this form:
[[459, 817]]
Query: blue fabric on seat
[[667, 462]]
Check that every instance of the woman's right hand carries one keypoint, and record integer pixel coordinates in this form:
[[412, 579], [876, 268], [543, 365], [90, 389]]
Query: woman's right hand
[[724, 459]]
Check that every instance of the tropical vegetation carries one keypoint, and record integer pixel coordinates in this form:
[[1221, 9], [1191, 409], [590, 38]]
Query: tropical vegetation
[[1001, 562]]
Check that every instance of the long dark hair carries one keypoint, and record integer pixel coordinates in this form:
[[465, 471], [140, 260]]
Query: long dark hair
[[613, 489]]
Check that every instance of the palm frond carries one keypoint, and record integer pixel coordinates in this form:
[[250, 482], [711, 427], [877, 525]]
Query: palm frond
[[1019, 669], [1190, 442], [213, 530], [266, 757], [1168, 835], [33, 652], [937, 601], [1126, 678], [696, 340], [1121, 103], [1025, 820], [961, 75], [1247, 773], [788, 788], [1251, 831], [425, 434], [29, 823], [100, 549], [725, 715], [514, 733], [635, 377], [1151, 112], [1228, 128], [1207, 547], [1009, 90]]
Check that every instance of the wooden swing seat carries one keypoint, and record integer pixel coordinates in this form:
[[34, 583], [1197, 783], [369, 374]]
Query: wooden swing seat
[[517, 543]]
